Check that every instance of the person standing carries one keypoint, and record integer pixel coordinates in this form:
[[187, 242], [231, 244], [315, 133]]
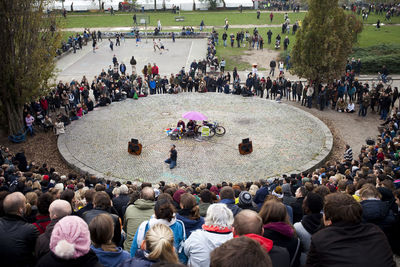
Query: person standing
[[94, 45], [134, 19], [271, 16], [173, 154], [133, 64], [29, 121], [111, 45], [310, 93], [286, 43], [269, 34], [258, 14], [272, 65]]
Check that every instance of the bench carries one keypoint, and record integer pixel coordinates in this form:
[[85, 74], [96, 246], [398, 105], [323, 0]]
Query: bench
[[179, 18]]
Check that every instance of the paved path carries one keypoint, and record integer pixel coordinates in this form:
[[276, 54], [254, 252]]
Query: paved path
[[174, 28]]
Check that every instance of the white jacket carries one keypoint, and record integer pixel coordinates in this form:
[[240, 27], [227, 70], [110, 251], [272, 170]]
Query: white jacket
[[200, 244]]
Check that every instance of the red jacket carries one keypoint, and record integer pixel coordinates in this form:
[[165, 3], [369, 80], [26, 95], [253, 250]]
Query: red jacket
[[44, 104], [41, 222], [154, 70]]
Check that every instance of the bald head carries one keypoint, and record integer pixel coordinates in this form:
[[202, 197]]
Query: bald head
[[59, 208], [247, 222], [147, 193], [14, 204]]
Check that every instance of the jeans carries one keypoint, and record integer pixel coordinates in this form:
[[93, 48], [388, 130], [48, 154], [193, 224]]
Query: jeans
[[172, 163], [272, 71], [309, 101], [225, 43], [30, 129], [384, 114]]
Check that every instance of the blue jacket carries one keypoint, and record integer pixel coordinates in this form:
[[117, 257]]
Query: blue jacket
[[190, 225], [177, 228], [109, 258], [139, 260], [152, 84]]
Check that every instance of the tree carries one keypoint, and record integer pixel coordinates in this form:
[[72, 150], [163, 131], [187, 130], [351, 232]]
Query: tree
[[324, 41], [28, 44]]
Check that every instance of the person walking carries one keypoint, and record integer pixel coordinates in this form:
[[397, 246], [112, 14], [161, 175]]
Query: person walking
[[269, 34], [173, 154], [111, 45]]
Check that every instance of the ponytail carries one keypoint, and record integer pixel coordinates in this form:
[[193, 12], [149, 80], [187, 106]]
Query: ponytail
[[160, 244]]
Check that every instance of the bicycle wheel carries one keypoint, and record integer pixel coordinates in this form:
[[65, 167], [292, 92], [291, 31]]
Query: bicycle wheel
[[220, 131], [389, 80], [212, 132]]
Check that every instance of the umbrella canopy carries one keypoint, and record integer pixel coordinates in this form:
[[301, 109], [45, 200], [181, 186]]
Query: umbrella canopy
[[194, 115]]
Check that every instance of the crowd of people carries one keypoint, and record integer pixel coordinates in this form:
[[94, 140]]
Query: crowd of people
[[305, 219]]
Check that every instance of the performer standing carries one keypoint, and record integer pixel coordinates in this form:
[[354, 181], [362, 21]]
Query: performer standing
[[173, 154]]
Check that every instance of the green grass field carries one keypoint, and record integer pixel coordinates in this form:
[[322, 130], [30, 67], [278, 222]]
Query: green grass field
[[91, 20]]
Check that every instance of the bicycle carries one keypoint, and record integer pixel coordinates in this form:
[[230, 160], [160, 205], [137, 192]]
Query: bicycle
[[388, 79], [215, 129]]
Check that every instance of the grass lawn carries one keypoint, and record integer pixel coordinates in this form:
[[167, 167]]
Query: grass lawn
[[90, 20], [216, 18], [369, 37]]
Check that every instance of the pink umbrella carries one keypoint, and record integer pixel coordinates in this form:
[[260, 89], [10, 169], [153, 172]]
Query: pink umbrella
[[194, 115]]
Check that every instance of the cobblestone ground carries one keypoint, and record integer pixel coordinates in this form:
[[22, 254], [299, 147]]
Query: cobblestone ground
[[285, 139]]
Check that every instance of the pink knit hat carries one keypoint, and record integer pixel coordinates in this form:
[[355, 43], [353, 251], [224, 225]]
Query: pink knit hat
[[70, 238]]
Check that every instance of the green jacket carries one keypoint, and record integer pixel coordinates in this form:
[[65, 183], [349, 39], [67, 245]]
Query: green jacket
[[135, 214]]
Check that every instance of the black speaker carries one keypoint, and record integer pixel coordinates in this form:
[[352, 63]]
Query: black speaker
[[134, 141], [134, 147], [245, 147]]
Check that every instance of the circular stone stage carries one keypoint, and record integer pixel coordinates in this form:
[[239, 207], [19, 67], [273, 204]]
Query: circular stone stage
[[285, 140]]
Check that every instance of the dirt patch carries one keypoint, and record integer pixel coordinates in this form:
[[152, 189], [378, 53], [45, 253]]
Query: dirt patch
[[263, 58], [41, 148]]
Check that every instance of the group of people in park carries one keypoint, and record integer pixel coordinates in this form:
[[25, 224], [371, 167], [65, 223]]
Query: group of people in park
[[303, 219]]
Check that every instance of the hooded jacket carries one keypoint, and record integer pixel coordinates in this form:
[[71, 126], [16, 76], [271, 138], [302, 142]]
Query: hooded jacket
[[283, 235], [111, 258], [50, 259], [309, 225], [177, 228], [190, 225], [135, 214], [200, 244], [279, 256], [139, 260]]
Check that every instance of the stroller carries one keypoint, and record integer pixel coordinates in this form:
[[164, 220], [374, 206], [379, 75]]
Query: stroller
[[278, 44]]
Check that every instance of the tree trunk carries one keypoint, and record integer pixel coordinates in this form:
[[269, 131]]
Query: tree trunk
[[14, 114], [155, 5]]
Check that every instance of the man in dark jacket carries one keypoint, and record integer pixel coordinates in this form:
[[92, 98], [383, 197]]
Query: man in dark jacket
[[18, 237], [89, 195], [58, 209], [227, 196], [102, 204], [250, 224], [272, 65], [345, 241], [122, 200]]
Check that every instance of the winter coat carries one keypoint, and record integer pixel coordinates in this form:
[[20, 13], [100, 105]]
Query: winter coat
[[50, 259], [297, 207], [18, 239], [190, 225], [43, 241], [177, 228], [200, 244], [283, 235], [230, 203], [309, 225], [88, 216], [203, 209], [377, 212], [279, 256], [135, 214], [355, 245], [119, 202], [139, 260], [111, 258]]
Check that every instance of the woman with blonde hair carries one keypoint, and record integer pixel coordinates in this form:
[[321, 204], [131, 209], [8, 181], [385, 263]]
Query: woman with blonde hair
[[158, 246], [31, 207], [101, 233]]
